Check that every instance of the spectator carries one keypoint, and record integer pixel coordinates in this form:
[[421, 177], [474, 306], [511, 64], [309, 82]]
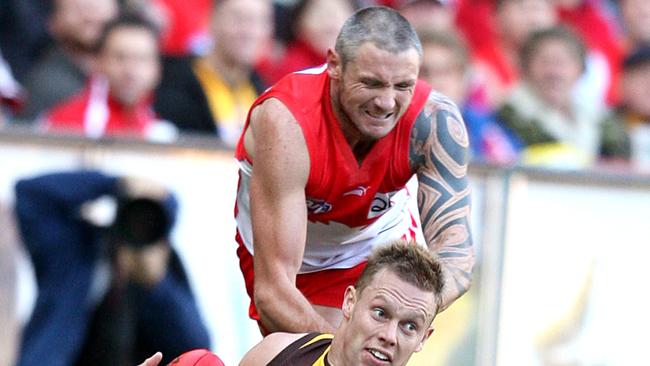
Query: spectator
[[106, 296], [496, 60], [75, 26], [629, 124], [445, 65], [555, 128], [314, 25], [597, 29], [118, 98], [636, 21], [429, 15], [212, 94]]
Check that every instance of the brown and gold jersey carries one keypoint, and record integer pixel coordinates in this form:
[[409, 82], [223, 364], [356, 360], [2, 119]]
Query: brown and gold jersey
[[310, 350]]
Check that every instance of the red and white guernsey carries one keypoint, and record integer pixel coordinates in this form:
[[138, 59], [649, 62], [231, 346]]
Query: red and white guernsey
[[351, 207]]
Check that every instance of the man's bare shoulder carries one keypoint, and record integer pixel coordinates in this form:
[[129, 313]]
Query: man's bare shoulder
[[270, 123], [272, 108], [269, 348]]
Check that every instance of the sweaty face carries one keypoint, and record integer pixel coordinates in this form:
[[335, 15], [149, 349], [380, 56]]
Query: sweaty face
[[386, 323], [374, 89], [129, 60]]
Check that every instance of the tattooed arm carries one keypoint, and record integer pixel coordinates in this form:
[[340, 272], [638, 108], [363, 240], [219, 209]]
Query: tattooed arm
[[439, 154]]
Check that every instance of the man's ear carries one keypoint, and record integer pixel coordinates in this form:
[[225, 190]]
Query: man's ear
[[424, 339], [349, 299], [334, 66]]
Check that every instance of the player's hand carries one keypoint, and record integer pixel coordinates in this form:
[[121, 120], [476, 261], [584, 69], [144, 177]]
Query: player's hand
[[153, 360]]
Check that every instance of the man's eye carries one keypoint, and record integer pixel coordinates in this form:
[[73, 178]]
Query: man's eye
[[379, 313], [411, 327], [372, 83]]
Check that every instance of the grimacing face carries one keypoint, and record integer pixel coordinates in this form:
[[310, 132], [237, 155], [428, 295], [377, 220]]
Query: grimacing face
[[373, 90], [386, 323], [130, 62]]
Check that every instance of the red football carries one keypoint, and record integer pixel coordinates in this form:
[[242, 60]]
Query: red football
[[197, 357]]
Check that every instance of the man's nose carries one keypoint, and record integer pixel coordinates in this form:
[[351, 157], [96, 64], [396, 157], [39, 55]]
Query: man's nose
[[388, 334], [385, 100]]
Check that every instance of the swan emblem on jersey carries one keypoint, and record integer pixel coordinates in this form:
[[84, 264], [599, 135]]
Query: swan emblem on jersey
[[359, 191], [318, 206], [381, 203]]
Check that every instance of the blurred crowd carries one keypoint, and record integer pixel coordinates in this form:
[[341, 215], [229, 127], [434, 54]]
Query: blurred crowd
[[560, 83]]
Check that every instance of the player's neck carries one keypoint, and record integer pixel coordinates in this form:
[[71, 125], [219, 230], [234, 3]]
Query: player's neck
[[335, 355]]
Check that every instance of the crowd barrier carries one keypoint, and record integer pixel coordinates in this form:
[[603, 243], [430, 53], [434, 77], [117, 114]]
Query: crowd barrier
[[561, 255]]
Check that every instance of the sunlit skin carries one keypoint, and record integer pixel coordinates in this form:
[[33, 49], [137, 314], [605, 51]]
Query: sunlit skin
[[130, 62], [372, 92], [384, 324]]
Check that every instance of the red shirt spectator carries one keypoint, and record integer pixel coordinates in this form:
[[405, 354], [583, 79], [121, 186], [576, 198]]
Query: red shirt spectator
[[95, 113], [118, 100]]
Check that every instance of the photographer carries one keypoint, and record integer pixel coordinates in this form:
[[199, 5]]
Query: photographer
[[110, 289]]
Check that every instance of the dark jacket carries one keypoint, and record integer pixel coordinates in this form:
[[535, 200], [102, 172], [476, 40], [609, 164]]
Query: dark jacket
[[181, 100], [68, 326]]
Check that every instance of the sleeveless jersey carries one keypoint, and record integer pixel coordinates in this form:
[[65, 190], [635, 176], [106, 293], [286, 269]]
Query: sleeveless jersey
[[310, 350], [351, 207]]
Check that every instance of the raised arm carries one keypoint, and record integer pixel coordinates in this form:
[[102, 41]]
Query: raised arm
[[439, 155], [279, 218]]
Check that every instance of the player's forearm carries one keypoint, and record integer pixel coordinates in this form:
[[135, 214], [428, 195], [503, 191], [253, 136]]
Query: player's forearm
[[453, 246], [458, 278], [285, 309]]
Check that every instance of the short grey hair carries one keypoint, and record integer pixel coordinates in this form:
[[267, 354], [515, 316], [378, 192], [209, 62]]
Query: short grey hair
[[382, 26]]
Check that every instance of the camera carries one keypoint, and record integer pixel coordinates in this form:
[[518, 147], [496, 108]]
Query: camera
[[140, 222]]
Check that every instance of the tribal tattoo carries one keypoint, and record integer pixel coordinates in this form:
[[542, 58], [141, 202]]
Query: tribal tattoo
[[439, 155]]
